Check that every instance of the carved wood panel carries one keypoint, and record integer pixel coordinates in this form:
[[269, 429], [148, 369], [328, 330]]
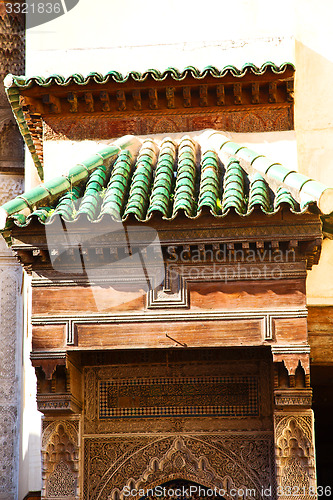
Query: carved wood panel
[[225, 461], [295, 456], [60, 459]]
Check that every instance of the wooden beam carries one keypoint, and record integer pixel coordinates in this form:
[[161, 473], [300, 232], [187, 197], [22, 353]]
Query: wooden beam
[[237, 93], [220, 94], [121, 98], [187, 97], [72, 99], [170, 96], [54, 102], [153, 98], [203, 92], [320, 332], [89, 99], [104, 97], [136, 94], [35, 105]]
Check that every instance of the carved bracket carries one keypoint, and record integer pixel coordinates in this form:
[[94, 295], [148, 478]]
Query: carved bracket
[[291, 356]]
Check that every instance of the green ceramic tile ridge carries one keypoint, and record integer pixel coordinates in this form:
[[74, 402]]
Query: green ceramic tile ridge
[[139, 194], [67, 205], [259, 193], [233, 188], [209, 191], [284, 196], [160, 199], [92, 199], [184, 197], [12, 95], [50, 191], [118, 186], [24, 82]]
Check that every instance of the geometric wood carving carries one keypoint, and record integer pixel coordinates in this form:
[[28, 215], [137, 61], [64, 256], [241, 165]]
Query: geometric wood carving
[[60, 460], [295, 459], [185, 396], [226, 462]]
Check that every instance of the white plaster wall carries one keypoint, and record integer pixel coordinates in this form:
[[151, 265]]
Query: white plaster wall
[[314, 118]]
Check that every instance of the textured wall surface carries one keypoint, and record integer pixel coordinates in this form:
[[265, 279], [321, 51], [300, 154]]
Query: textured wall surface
[[11, 184]]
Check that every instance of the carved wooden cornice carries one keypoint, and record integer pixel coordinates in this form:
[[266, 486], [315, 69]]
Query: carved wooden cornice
[[96, 107]]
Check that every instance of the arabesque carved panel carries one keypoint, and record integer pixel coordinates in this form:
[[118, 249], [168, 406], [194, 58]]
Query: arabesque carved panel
[[225, 461]]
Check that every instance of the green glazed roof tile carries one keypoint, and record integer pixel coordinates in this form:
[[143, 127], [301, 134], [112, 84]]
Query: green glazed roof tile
[[114, 196], [186, 178], [160, 199], [166, 178], [284, 196], [259, 194], [141, 182], [233, 188], [209, 182], [16, 82]]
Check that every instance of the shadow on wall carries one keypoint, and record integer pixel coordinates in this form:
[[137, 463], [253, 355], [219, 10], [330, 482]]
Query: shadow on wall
[[313, 113], [30, 466]]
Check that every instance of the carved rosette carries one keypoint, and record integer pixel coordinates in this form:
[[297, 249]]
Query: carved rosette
[[295, 455], [60, 459]]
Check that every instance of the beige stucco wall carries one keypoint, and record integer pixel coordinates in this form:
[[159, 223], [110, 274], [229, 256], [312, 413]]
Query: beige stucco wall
[[314, 118]]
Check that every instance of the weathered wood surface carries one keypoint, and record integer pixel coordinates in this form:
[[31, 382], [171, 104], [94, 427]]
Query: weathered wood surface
[[320, 330], [290, 331], [48, 337], [150, 335], [80, 300], [242, 295]]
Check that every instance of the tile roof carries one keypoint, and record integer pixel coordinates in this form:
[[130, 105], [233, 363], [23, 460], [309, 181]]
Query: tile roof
[[24, 82], [14, 85], [192, 174]]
